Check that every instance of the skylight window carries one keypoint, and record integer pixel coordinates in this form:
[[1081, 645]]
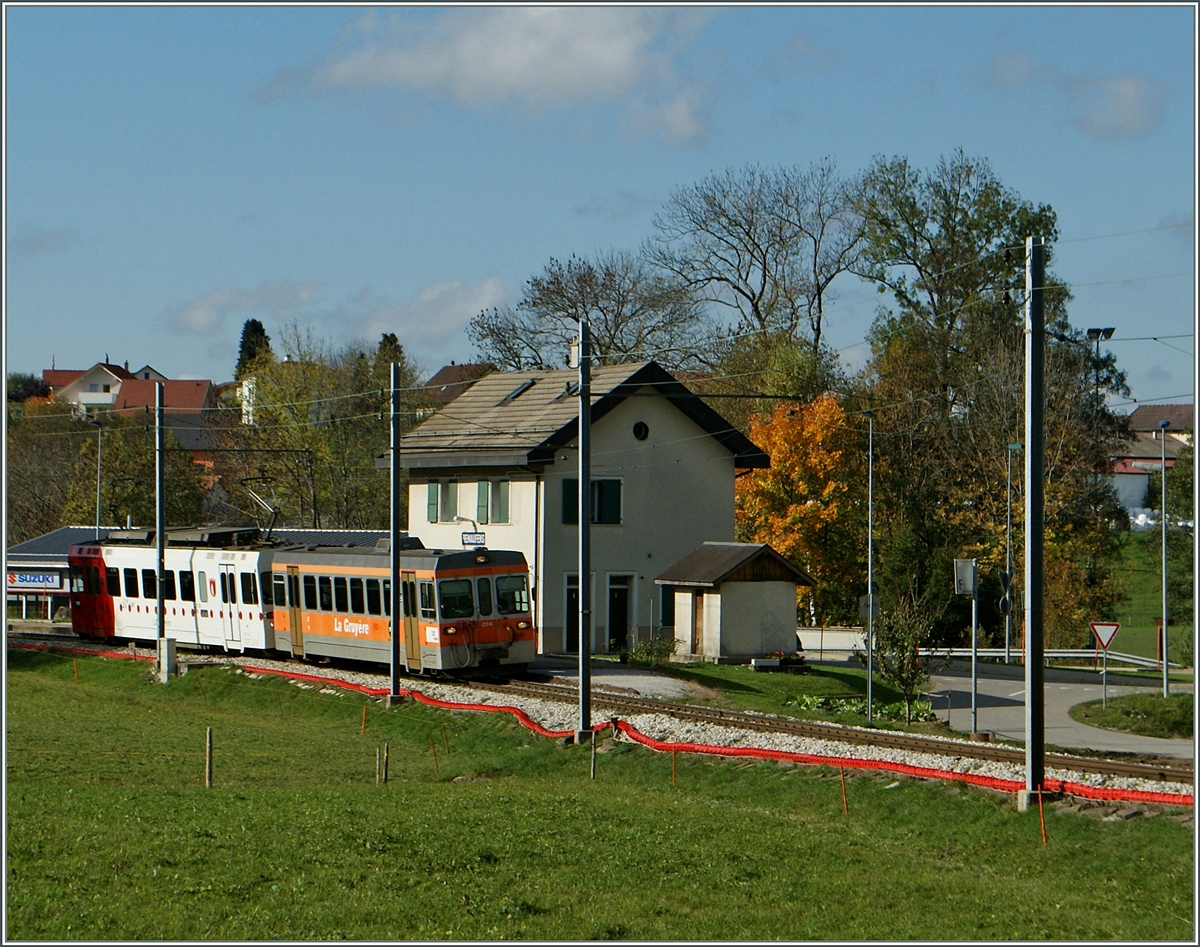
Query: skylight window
[[516, 392]]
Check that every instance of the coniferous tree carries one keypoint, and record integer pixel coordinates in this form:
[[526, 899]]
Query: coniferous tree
[[255, 342]]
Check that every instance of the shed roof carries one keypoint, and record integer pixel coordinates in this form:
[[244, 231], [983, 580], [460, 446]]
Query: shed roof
[[521, 418], [712, 563], [452, 380]]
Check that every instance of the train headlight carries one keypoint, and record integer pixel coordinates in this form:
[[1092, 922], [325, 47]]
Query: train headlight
[[452, 631], [522, 624]]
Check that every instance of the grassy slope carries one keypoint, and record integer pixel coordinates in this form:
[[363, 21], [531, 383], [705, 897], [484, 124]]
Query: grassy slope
[[1143, 566], [112, 835]]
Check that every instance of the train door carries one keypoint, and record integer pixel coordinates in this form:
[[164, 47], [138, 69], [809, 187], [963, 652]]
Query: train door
[[294, 619], [412, 640], [231, 626]]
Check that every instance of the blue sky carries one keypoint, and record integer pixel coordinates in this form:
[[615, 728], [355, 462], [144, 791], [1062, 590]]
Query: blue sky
[[171, 172]]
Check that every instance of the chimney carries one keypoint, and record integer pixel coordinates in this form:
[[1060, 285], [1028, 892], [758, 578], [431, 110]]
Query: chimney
[[126, 364]]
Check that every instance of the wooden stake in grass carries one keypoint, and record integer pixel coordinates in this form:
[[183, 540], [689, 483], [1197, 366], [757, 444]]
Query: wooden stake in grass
[[385, 763], [378, 765], [201, 686], [208, 759], [445, 742], [672, 767], [593, 754], [1042, 816], [363, 728], [433, 750], [845, 805]]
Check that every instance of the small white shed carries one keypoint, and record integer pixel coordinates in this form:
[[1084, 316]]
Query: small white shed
[[734, 601]]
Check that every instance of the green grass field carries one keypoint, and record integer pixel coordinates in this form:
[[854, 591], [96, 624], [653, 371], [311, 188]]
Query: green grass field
[[1146, 714], [112, 835], [1143, 566]]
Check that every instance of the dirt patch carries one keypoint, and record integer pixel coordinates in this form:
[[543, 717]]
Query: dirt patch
[[694, 691]]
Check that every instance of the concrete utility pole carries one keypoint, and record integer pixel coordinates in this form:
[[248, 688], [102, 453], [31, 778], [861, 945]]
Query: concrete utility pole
[[1162, 433], [166, 647], [1035, 498], [397, 616], [870, 556], [585, 527]]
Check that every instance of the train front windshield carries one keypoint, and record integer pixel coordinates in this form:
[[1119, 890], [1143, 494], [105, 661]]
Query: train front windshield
[[512, 594]]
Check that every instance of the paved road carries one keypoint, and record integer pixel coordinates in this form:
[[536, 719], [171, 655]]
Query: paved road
[[1000, 708]]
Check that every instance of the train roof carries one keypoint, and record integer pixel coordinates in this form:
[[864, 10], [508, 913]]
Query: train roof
[[251, 537], [426, 558]]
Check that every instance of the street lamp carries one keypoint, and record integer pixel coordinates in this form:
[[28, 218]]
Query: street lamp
[[1095, 335], [99, 452], [1006, 600], [1162, 433]]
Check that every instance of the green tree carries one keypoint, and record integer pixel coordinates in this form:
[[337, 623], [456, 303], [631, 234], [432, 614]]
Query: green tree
[[23, 386], [255, 344], [898, 634], [1181, 511]]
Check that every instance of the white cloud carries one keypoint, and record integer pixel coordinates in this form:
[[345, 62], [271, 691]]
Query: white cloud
[[430, 324], [535, 57], [1125, 107], [206, 314]]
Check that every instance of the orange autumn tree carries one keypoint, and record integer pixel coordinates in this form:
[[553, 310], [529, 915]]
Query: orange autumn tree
[[809, 502]]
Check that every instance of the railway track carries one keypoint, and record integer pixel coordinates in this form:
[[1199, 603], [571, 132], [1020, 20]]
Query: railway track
[[1161, 769], [1165, 770]]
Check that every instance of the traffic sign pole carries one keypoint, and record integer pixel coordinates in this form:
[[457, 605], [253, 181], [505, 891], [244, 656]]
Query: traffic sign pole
[[1104, 632]]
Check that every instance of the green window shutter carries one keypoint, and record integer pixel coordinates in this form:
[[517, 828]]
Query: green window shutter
[[570, 497], [606, 501], [481, 502], [431, 508], [500, 500]]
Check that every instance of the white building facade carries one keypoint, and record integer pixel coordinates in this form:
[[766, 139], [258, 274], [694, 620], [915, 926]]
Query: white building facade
[[503, 462]]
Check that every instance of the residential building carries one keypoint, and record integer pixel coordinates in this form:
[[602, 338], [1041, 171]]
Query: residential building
[[96, 387], [452, 380], [502, 461]]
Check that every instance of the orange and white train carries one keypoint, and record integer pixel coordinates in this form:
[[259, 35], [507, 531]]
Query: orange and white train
[[229, 590]]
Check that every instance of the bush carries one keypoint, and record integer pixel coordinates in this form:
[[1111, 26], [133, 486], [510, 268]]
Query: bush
[[655, 652]]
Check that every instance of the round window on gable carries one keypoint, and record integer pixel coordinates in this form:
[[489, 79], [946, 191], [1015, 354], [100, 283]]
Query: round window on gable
[[641, 430]]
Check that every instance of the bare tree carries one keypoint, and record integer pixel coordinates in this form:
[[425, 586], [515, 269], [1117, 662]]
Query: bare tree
[[766, 243], [634, 313]]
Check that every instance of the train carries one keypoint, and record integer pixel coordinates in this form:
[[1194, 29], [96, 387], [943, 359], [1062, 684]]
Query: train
[[238, 591]]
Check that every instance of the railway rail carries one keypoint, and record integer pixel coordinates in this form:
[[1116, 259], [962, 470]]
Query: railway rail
[[1161, 769], [1165, 770]]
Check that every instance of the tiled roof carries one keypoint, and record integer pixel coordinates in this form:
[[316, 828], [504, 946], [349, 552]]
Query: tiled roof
[[60, 377], [178, 396], [1144, 446], [452, 380], [1145, 417], [520, 418]]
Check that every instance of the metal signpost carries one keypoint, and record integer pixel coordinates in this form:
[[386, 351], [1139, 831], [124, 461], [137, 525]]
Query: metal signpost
[[585, 528], [1105, 631], [872, 606], [966, 583]]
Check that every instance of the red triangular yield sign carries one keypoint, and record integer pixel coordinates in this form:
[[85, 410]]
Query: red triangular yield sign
[[1105, 631]]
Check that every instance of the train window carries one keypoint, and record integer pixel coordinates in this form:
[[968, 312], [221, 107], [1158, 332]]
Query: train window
[[169, 585], [280, 586], [341, 602], [407, 594], [374, 604], [512, 595], [325, 593], [187, 585], [456, 598], [93, 579], [131, 588], [357, 605], [232, 587], [266, 588], [112, 580], [310, 592], [202, 584], [149, 584], [485, 595], [428, 609], [387, 597], [76, 579], [249, 589], [224, 588], [293, 589]]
